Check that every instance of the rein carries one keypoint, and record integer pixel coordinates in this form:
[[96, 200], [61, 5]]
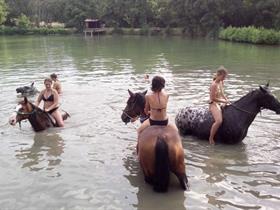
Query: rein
[[243, 110]]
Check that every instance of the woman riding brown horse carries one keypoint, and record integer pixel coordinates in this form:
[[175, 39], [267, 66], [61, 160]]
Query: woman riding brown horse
[[39, 119], [160, 149]]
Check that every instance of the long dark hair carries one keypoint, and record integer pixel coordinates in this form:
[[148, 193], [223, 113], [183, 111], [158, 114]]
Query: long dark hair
[[158, 83]]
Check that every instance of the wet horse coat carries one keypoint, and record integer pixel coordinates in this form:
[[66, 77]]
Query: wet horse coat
[[27, 90], [38, 118], [160, 149], [237, 117]]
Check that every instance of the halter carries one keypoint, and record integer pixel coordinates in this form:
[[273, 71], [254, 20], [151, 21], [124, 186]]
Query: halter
[[134, 104], [128, 115], [243, 110], [26, 113]]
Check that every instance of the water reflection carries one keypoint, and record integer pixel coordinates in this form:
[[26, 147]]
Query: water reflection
[[147, 198], [44, 153]]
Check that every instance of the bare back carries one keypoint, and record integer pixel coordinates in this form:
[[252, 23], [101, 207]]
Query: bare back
[[156, 105], [57, 86]]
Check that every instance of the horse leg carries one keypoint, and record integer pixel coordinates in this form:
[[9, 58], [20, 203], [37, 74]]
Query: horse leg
[[65, 115], [179, 171], [147, 177], [183, 180]]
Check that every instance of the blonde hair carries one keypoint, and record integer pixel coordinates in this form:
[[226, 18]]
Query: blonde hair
[[47, 80], [220, 71]]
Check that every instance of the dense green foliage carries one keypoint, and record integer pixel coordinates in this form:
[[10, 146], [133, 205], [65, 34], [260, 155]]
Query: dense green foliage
[[196, 17], [3, 11], [34, 31], [251, 35]]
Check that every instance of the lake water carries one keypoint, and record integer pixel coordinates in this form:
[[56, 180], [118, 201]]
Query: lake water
[[92, 162]]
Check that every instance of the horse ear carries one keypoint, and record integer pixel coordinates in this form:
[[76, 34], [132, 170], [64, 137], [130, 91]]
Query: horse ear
[[130, 93], [25, 100], [32, 84], [263, 89], [267, 84], [145, 92]]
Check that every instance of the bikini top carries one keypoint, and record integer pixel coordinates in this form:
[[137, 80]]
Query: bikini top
[[158, 109], [50, 98]]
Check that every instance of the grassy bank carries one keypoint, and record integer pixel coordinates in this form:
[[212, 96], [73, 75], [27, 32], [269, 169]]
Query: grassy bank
[[5, 30], [251, 35]]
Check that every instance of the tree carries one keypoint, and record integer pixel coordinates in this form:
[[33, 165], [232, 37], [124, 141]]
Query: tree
[[3, 11]]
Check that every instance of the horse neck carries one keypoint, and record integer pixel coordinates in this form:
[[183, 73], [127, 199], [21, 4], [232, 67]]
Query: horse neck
[[37, 118], [142, 105], [247, 108]]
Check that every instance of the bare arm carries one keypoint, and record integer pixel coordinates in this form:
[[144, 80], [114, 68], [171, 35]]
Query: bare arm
[[57, 87], [55, 101], [39, 99], [213, 90], [147, 105], [223, 93]]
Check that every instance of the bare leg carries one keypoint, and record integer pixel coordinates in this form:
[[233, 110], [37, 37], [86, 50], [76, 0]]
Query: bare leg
[[58, 118], [144, 125], [217, 114]]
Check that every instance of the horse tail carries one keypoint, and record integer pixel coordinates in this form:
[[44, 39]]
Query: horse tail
[[161, 176]]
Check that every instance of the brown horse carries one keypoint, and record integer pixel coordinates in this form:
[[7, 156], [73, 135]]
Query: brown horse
[[39, 119], [160, 149]]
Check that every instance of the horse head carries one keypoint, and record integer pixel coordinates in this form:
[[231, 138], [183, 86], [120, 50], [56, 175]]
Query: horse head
[[267, 100], [25, 90], [23, 110], [134, 106]]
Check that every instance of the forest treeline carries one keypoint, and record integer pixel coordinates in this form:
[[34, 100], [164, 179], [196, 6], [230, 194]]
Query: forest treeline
[[196, 17]]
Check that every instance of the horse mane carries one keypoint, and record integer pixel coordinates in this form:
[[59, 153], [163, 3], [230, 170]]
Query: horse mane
[[251, 93], [40, 112], [141, 99]]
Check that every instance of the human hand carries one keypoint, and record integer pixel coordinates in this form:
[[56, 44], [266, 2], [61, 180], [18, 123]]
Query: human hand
[[134, 119]]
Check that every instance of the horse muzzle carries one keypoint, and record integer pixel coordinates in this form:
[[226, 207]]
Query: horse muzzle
[[19, 90], [13, 120], [125, 118]]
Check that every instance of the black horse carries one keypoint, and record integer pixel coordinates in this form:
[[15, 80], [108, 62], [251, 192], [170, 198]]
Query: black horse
[[27, 90], [237, 117], [38, 118]]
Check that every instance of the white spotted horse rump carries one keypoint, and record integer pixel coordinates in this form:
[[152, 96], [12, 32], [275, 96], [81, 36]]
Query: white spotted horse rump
[[194, 121]]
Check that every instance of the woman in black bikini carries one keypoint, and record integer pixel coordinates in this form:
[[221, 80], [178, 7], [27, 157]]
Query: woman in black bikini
[[156, 104], [50, 98]]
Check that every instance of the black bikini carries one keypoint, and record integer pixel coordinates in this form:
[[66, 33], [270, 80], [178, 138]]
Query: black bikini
[[50, 98], [158, 122]]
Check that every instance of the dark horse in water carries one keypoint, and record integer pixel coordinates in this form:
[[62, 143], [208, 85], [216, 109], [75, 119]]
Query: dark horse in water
[[159, 148], [27, 90], [237, 117], [38, 118]]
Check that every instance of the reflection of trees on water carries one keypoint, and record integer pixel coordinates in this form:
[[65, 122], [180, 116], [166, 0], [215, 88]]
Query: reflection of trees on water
[[146, 197], [44, 153]]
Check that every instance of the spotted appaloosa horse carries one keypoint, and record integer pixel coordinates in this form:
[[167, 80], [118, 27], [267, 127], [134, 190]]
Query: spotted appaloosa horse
[[237, 117], [39, 119], [27, 90], [160, 149]]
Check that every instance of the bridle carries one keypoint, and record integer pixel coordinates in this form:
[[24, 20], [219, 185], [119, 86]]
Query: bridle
[[27, 113], [243, 110], [133, 106]]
